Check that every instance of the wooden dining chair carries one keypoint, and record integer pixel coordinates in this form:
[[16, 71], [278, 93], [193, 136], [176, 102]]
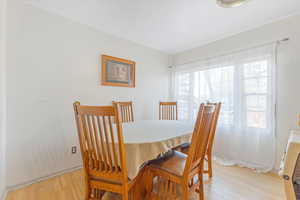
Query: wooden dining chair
[[101, 142], [178, 169], [209, 159], [126, 110], [168, 111]]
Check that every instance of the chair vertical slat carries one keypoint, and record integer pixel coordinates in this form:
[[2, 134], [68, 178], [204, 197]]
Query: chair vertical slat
[[122, 113], [99, 143], [95, 125], [116, 162], [131, 111], [89, 142], [164, 186], [124, 117], [176, 112], [127, 113], [85, 129], [159, 188], [167, 188], [107, 143], [93, 142], [167, 112], [102, 143], [159, 112]]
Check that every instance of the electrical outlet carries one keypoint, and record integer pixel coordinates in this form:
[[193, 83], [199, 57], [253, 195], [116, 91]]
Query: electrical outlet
[[74, 149]]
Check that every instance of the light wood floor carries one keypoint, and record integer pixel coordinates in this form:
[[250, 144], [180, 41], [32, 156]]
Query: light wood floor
[[228, 183]]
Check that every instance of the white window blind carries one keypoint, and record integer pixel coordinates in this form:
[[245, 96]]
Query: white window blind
[[245, 84]]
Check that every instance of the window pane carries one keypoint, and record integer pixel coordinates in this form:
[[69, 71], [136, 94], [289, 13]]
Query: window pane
[[256, 119], [183, 107], [216, 85], [226, 117], [256, 69], [256, 85], [183, 81], [256, 103]]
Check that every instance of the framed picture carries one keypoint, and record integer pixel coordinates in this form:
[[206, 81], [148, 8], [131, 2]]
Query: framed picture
[[117, 72]]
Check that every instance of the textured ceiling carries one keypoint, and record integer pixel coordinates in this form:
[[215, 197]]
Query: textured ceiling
[[170, 25]]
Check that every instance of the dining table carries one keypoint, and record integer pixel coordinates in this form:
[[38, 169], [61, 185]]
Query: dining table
[[145, 140]]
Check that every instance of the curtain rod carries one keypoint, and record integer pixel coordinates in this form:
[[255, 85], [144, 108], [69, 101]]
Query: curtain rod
[[232, 52]]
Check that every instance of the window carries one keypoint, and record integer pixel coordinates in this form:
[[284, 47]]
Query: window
[[244, 87], [256, 78], [245, 84]]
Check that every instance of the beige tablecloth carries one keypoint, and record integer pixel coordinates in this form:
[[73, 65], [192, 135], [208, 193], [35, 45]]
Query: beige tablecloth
[[145, 140]]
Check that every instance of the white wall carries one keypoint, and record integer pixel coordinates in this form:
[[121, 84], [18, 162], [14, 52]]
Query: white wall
[[2, 96], [289, 67], [52, 62]]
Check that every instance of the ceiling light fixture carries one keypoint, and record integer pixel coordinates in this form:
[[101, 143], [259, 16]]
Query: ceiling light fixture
[[230, 3]]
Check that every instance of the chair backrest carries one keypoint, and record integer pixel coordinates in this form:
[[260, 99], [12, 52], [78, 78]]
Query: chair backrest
[[101, 141], [200, 137], [214, 124], [168, 111], [126, 110]]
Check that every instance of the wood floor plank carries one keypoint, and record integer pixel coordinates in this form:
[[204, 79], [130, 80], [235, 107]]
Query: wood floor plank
[[228, 183]]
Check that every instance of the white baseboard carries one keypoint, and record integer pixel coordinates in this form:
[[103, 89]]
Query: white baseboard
[[27, 183]]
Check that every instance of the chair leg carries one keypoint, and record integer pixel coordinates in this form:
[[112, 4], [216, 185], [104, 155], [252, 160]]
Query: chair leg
[[88, 189], [125, 196], [87, 194], [185, 192], [210, 165], [201, 188]]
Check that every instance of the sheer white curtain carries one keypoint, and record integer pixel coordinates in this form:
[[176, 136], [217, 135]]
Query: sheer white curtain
[[245, 84]]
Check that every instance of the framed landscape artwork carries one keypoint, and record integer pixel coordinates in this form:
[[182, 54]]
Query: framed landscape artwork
[[117, 72]]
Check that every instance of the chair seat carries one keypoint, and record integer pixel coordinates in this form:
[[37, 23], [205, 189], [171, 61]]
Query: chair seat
[[173, 163], [183, 148], [111, 196]]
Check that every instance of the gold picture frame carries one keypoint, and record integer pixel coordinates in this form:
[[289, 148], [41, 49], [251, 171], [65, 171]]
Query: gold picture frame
[[117, 72]]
